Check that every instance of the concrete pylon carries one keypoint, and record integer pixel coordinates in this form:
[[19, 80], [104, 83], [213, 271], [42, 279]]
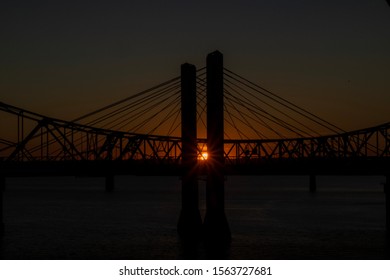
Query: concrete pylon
[[109, 183], [190, 222], [312, 183], [387, 194], [216, 227], [2, 188]]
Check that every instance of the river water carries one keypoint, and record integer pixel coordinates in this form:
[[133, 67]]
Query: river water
[[270, 218]]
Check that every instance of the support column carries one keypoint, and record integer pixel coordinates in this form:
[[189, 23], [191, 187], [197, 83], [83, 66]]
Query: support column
[[215, 225], [110, 183], [190, 221], [313, 183], [387, 194], [2, 188]]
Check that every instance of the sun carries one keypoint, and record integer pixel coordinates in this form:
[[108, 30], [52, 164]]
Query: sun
[[203, 156]]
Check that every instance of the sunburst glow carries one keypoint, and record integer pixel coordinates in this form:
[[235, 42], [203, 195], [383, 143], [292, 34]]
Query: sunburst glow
[[203, 156]]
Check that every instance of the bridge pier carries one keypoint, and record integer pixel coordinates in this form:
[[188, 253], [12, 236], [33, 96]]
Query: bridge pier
[[2, 188], [216, 227], [387, 195], [110, 183], [313, 183], [190, 221]]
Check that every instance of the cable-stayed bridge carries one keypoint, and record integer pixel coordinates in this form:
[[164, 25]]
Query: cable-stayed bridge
[[207, 121], [260, 128]]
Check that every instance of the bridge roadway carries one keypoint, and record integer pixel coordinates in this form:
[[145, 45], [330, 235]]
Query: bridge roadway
[[256, 167], [52, 147]]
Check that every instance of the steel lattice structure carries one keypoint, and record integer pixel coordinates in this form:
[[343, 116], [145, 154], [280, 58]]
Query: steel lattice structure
[[42, 139], [57, 140]]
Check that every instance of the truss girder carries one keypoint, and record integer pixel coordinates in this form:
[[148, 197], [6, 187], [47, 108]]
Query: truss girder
[[52, 139]]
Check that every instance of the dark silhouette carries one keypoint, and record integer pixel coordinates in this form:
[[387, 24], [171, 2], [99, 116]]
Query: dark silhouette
[[387, 192], [190, 222], [52, 147], [2, 188], [215, 224]]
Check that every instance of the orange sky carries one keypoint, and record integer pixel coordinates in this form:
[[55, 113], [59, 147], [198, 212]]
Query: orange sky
[[66, 59]]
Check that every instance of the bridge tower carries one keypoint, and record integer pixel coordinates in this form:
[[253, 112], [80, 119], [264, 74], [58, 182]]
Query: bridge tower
[[215, 224], [190, 222]]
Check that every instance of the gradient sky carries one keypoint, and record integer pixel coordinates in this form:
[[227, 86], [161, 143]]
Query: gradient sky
[[66, 58]]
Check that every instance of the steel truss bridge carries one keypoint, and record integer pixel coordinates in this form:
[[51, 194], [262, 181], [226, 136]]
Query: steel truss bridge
[[43, 141], [114, 138], [62, 143], [209, 121]]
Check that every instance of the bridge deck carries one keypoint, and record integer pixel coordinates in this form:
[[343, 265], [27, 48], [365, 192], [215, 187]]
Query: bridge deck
[[370, 166]]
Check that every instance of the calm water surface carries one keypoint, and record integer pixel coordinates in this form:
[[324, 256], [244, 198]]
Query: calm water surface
[[270, 218]]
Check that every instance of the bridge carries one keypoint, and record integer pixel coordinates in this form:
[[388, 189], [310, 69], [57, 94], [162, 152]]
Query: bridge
[[209, 121]]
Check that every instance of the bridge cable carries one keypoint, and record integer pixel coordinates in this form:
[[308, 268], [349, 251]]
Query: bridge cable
[[256, 117], [141, 94], [132, 105], [78, 139], [173, 128], [289, 104], [125, 100], [134, 128], [141, 114], [137, 113], [233, 124], [269, 117], [259, 134], [305, 113], [169, 115], [273, 107]]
